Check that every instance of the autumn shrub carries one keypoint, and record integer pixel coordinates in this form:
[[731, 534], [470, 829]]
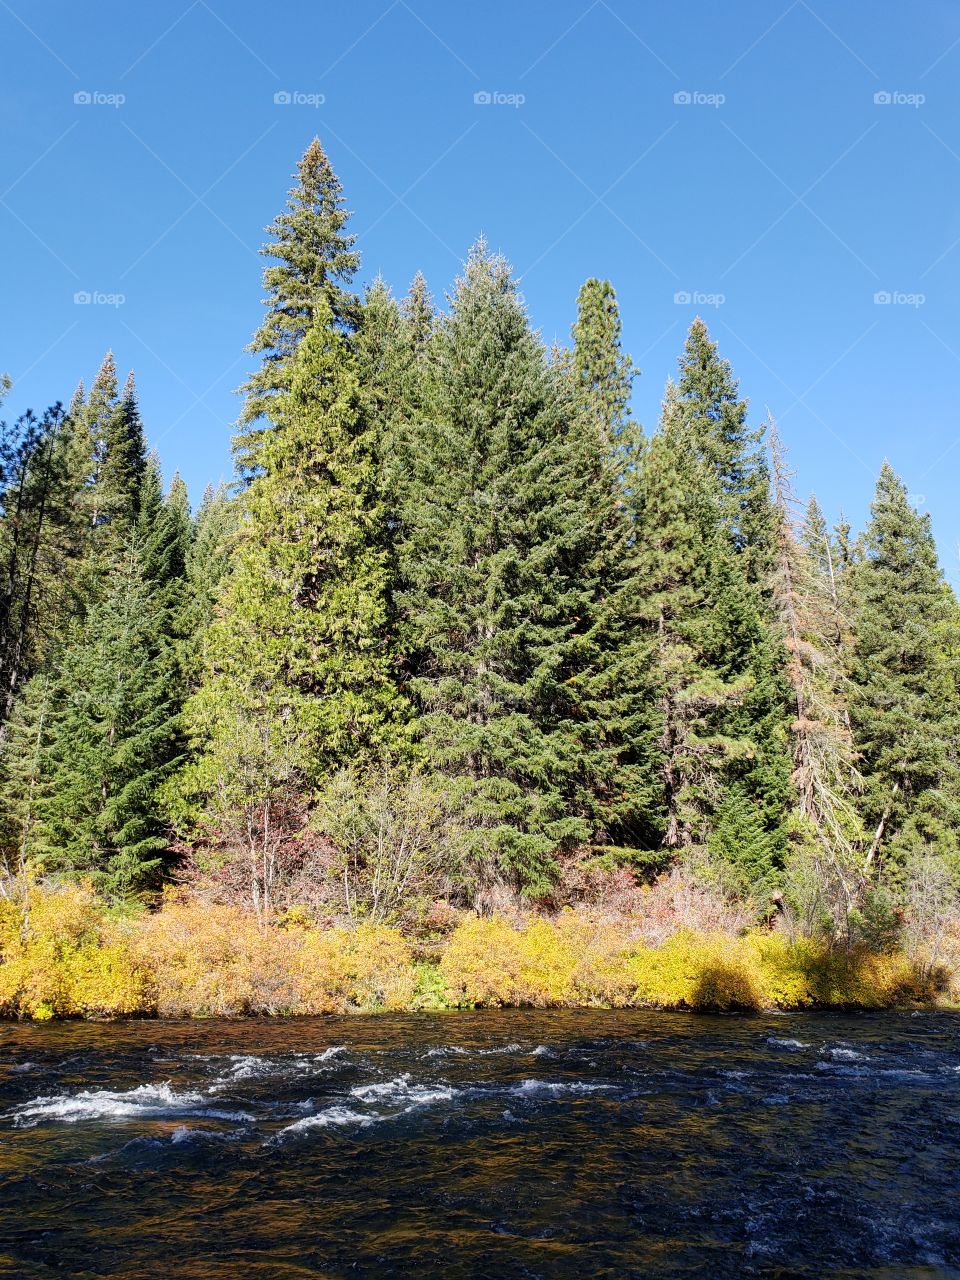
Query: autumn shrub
[[216, 961], [696, 971], [62, 955], [366, 968], [568, 961]]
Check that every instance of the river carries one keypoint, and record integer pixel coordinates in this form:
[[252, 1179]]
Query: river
[[490, 1144]]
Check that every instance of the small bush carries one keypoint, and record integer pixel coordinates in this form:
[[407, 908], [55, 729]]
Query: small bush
[[62, 956], [366, 969], [697, 971]]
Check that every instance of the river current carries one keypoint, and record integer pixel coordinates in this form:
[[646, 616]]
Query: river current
[[490, 1144]]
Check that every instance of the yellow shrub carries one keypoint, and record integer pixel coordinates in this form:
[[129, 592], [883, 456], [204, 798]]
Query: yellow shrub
[[569, 961], [60, 955], [369, 967], [482, 963], [785, 968], [601, 974], [696, 971], [216, 961]]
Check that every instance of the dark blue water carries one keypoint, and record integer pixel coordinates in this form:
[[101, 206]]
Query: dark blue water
[[515, 1144]]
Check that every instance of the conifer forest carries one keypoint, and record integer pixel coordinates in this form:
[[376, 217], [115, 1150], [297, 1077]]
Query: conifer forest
[[465, 672]]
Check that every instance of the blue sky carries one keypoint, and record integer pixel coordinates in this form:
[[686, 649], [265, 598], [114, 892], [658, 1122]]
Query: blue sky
[[779, 164]]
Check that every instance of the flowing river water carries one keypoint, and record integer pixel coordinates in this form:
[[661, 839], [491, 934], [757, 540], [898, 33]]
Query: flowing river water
[[489, 1144]]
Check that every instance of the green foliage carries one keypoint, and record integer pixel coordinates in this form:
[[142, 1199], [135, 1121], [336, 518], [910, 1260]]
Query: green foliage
[[308, 281], [904, 707], [106, 724], [508, 532], [603, 374], [740, 841], [297, 669], [460, 625]]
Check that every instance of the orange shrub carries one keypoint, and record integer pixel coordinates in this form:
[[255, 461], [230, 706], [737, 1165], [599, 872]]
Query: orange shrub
[[216, 961]]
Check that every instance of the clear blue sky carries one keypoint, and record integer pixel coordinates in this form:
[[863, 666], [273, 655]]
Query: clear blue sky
[[796, 198]]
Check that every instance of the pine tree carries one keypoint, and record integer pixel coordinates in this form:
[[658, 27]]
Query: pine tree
[[165, 532], [419, 318], [384, 358], [311, 277], [730, 448], [109, 741], [207, 563], [904, 707], [109, 463], [123, 464], [740, 843], [39, 546], [23, 784], [741, 639], [503, 561], [682, 553], [296, 658], [603, 373], [616, 689]]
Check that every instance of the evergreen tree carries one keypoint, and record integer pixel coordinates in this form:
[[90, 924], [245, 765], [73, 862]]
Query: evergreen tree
[[741, 640], [207, 563], [109, 465], [603, 373], [682, 554], [740, 843], [311, 277], [165, 533], [730, 448], [296, 657], [904, 707], [503, 561], [110, 738], [39, 546], [123, 464], [419, 318], [23, 784]]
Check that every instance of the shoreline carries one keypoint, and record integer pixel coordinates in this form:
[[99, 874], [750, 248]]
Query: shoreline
[[64, 954]]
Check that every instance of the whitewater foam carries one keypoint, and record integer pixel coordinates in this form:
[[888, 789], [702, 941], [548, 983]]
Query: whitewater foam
[[554, 1089], [151, 1101], [339, 1117], [841, 1054], [402, 1090]]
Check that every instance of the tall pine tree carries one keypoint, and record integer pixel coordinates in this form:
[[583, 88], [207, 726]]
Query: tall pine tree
[[311, 276], [297, 658], [904, 707], [506, 533]]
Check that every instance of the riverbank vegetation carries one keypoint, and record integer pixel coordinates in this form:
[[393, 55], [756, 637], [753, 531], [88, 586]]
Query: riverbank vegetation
[[67, 955], [468, 690]]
